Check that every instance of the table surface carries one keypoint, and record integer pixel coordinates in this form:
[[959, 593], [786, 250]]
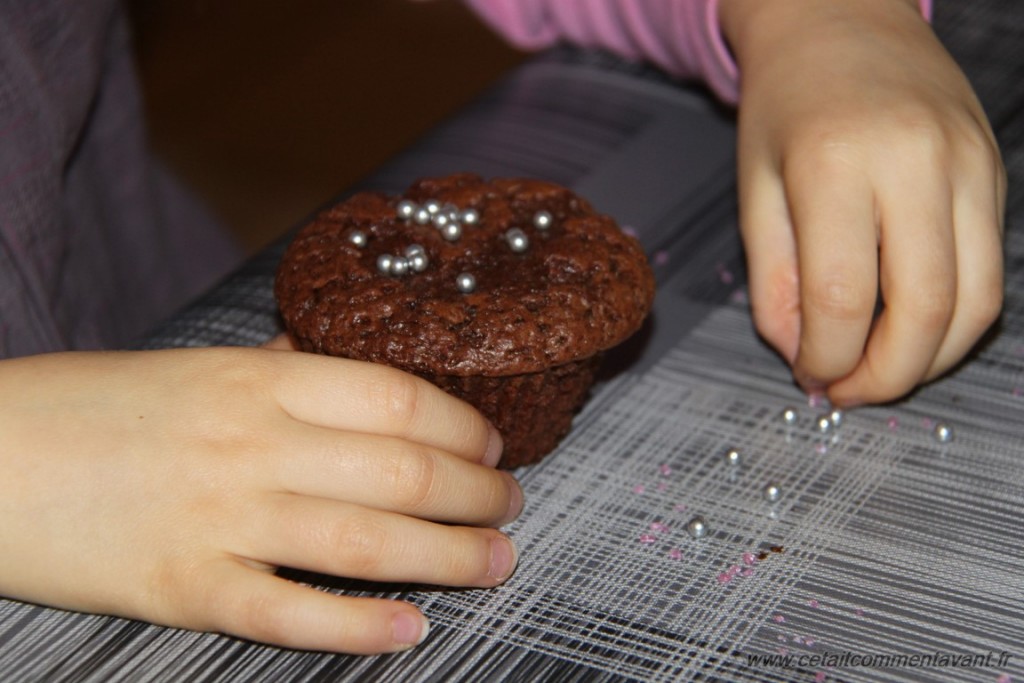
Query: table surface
[[885, 542]]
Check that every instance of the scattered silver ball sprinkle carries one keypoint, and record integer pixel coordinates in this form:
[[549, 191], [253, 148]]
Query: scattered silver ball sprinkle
[[451, 211], [789, 416], [357, 238], [384, 263], [406, 209], [943, 433], [542, 220], [440, 220], [469, 216], [418, 262], [400, 266], [823, 424], [432, 206], [421, 216], [837, 417], [465, 282], [733, 457], [517, 240], [772, 493], [697, 527], [451, 231], [413, 249]]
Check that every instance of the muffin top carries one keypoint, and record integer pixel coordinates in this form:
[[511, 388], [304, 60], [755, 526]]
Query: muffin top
[[462, 276]]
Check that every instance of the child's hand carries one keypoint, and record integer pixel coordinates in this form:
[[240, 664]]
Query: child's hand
[[867, 168], [168, 485]]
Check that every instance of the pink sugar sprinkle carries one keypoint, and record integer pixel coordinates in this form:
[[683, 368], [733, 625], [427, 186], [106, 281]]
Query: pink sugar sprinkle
[[647, 539], [629, 230], [799, 640], [747, 572], [749, 558], [665, 470], [733, 570], [782, 651], [639, 489], [739, 296], [660, 258], [779, 619], [819, 677], [927, 422], [809, 642], [892, 423], [675, 554], [724, 577], [859, 612], [814, 603], [781, 638], [1004, 678], [658, 527], [679, 507], [725, 276], [662, 486], [821, 448], [815, 400]]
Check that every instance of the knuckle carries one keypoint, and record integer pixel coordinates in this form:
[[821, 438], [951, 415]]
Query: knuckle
[[413, 478], [840, 299], [932, 309], [397, 398], [362, 542]]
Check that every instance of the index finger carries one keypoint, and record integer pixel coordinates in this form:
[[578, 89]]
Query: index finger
[[370, 398]]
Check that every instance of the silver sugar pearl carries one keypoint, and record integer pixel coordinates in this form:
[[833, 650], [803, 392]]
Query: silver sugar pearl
[[413, 249], [406, 209], [433, 206], [697, 527], [421, 216], [400, 266], [469, 216], [733, 457], [823, 423], [943, 433], [542, 220], [789, 416], [451, 232], [451, 211], [465, 282], [440, 220], [418, 262], [837, 417], [517, 240], [357, 238], [384, 263], [772, 493]]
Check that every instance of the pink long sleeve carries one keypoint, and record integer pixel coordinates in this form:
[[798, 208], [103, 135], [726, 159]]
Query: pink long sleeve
[[680, 36]]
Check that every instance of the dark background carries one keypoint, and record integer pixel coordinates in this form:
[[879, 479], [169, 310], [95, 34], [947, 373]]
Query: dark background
[[267, 108]]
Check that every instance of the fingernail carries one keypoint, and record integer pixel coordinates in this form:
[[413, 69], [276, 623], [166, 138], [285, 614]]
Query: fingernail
[[515, 499], [503, 559], [409, 629], [494, 448]]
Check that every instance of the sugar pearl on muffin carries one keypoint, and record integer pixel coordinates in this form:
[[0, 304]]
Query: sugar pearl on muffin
[[465, 282], [517, 240], [451, 232], [406, 209], [469, 216], [542, 220], [384, 263], [357, 238]]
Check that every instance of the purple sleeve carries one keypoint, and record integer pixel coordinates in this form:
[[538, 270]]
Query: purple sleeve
[[680, 36]]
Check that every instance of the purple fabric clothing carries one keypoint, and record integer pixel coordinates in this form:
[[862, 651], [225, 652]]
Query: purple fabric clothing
[[680, 36], [97, 243]]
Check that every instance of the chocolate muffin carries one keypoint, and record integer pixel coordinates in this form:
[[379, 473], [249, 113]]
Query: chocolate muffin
[[504, 293]]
